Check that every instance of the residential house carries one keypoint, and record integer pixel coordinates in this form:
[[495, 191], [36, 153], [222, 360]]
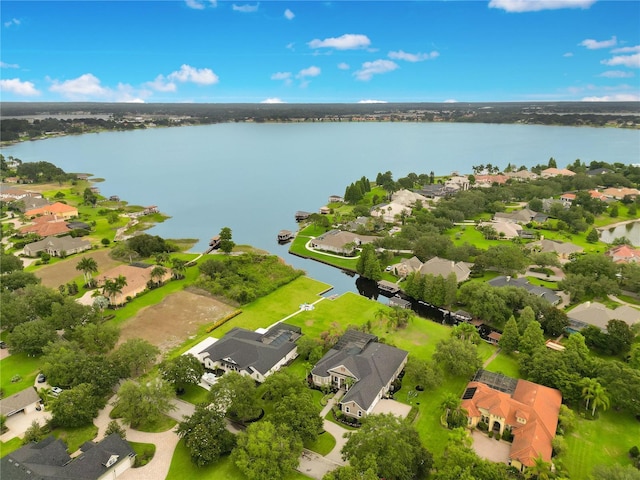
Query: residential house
[[407, 198], [389, 212], [489, 180], [567, 199], [437, 266], [362, 366], [522, 175], [253, 354], [337, 241], [61, 210], [407, 266], [25, 401], [554, 172], [336, 199], [137, 275], [435, 191], [47, 226], [598, 315], [458, 182], [544, 292], [12, 194], [522, 216], [597, 171], [529, 412], [57, 246], [360, 222], [504, 229], [562, 249], [624, 254], [620, 193], [49, 460]]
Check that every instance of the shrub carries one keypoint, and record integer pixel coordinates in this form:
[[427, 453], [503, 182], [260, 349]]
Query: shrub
[[634, 452], [482, 426], [490, 434], [497, 436]]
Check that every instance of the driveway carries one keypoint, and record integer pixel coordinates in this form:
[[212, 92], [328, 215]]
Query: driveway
[[386, 405], [490, 448], [20, 422]]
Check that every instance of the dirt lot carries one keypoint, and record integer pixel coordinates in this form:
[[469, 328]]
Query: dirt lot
[[172, 321], [63, 272]]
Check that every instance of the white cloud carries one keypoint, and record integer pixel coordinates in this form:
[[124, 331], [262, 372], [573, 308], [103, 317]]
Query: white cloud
[[631, 61], [199, 76], [9, 65], [348, 41], [568, 54], [413, 57], [195, 4], [626, 49], [290, 46], [373, 101], [616, 74], [245, 8], [288, 14], [161, 84], [281, 76], [518, 6], [88, 87], [343, 66], [369, 69], [11, 23], [272, 100], [620, 97], [451, 100], [312, 71], [18, 87], [592, 44]]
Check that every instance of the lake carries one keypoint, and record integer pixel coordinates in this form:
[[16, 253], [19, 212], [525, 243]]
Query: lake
[[254, 177]]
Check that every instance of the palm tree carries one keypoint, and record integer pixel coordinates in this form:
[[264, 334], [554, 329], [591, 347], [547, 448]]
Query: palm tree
[[600, 399], [158, 273], [161, 258], [453, 414], [589, 386], [540, 470], [87, 266], [113, 287], [178, 267]]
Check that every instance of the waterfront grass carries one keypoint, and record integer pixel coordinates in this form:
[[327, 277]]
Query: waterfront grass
[[18, 364], [182, 468], [274, 307], [604, 441]]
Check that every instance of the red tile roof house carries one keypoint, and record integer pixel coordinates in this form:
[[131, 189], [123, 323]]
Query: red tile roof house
[[59, 209], [47, 226], [530, 413], [624, 254]]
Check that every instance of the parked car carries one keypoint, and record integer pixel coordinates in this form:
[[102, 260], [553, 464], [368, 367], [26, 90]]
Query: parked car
[[2, 344], [41, 378], [55, 391]]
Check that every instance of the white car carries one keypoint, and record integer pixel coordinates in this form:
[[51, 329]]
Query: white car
[[55, 391]]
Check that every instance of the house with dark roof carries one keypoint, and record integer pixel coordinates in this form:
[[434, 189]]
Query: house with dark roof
[[508, 281], [337, 241], [253, 354], [529, 412], [441, 267], [363, 367], [49, 460]]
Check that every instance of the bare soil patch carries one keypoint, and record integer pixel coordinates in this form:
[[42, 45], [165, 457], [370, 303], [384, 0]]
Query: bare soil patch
[[63, 272], [176, 318]]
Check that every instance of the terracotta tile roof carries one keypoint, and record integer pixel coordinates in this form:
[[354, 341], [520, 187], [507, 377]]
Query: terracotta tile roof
[[47, 226], [55, 208], [531, 411]]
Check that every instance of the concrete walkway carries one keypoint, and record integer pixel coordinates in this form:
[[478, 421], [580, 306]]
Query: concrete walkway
[[491, 358], [337, 431]]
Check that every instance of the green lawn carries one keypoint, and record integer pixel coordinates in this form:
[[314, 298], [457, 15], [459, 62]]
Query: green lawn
[[11, 446], [323, 444], [194, 394], [606, 440], [75, 437], [505, 363], [183, 469], [298, 246], [144, 453], [18, 364]]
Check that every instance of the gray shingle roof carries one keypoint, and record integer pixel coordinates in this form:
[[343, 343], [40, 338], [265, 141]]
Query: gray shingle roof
[[19, 401], [546, 293], [253, 350], [373, 365]]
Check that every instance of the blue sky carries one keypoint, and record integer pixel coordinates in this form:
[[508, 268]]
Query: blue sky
[[320, 51]]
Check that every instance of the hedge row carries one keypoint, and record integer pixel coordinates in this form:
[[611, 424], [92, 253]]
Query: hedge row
[[223, 320]]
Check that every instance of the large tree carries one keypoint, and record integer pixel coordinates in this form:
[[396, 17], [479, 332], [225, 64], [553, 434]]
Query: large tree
[[368, 264], [134, 357], [31, 337], [226, 242], [76, 407], [266, 451], [236, 395], [457, 357], [206, 436], [301, 413], [395, 445], [510, 339], [144, 402], [426, 374], [181, 371]]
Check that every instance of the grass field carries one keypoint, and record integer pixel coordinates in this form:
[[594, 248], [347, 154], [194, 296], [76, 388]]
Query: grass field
[[75, 437], [606, 440], [504, 363], [182, 468], [18, 364]]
